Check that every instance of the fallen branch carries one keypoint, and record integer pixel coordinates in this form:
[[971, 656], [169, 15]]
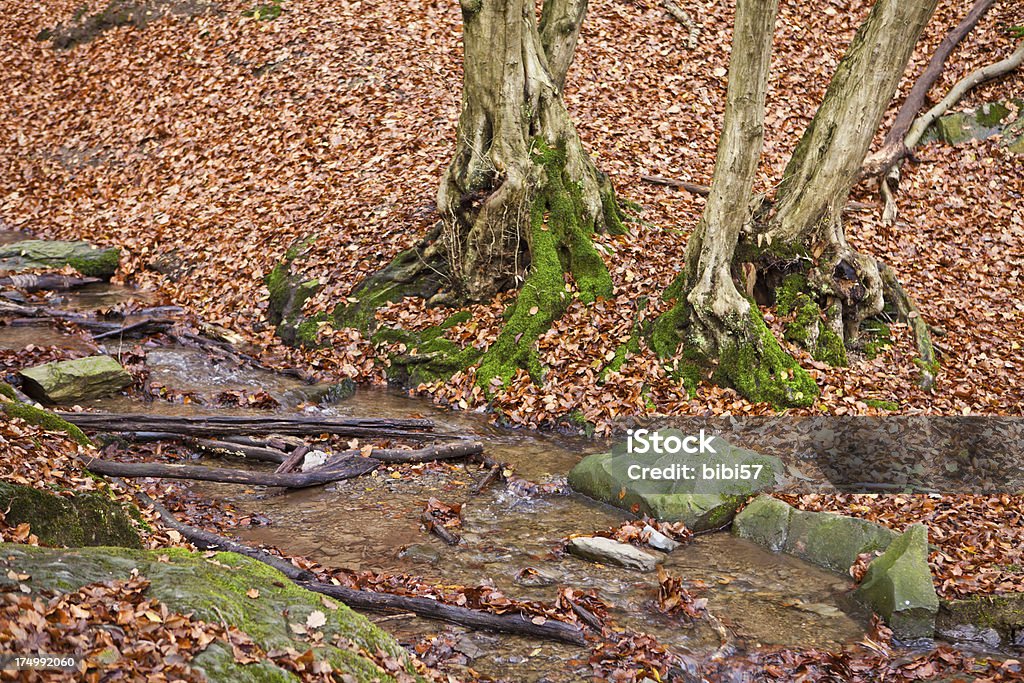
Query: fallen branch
[[340, 470], [435, 527], [293, 461], [217, 425], [491, 475], [46, 282], [894, 148], [260, 453], [432, 609], [206, 540], [894, 294], [684, 18], [141, 328], [449, 451], [369, 600], [693, 188]]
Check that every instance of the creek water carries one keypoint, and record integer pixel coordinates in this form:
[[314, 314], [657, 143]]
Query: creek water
[[373, 523]]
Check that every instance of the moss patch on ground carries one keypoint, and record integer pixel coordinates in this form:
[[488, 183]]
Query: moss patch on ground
[[84, 519], [215, 589], [45, 419], [429, 355]]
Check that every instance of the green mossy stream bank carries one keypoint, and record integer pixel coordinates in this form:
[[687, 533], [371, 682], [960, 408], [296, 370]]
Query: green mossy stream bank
[[214, 589]]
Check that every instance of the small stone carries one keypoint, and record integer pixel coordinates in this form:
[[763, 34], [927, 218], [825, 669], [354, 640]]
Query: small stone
[[313, 459], [660, 541], [607, 551]]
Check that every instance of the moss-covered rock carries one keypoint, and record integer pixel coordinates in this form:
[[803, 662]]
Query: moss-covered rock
[[1001, 616], [701, 502], [992, 118], [45, 419], [826, 539], [84, 519], [899, 586], [82, 256], [70, 381], [214, 590], [288, 294]]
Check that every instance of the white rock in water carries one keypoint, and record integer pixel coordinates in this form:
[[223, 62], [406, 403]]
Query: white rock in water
[[313, 460], [660, 541], [607, 551]]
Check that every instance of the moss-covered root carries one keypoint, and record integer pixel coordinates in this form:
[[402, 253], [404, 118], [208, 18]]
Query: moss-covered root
[[43, 418], [560, 243], [758, 368]]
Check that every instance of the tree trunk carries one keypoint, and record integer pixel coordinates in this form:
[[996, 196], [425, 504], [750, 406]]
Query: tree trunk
[[807, 218], [711, 316]]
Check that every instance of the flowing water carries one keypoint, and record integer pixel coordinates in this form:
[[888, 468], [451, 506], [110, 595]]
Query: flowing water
[[372, 523]]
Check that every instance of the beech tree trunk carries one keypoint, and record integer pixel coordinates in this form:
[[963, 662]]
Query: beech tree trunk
[[742, 239], [807, 216]]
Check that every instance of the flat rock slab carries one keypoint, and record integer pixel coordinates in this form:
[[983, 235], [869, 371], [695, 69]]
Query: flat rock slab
[[635, 482], [75, 380], [608, 551], [992, 620], [82, 256]]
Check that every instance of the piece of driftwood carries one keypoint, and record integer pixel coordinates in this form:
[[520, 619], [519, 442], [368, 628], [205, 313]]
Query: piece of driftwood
[[220, 425], [251, 452], [346, 469], [46, 282], [373, 601], [141, 328], [435, 527], [450, 451], [432, 609], [693, 188]]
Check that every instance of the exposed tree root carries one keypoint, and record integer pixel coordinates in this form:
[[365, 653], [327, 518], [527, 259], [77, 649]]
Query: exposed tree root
[[907, 311]]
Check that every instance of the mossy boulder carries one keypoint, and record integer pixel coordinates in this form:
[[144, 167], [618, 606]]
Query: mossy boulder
[[84, 519], [214, 589], [826, 539], [69, 381], [82, 256], [995, 620], [701, 502], [898, 586], [992, 118]]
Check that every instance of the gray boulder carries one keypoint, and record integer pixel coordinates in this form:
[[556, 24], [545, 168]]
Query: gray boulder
[[82, 256], [764, 521], [898, 586], [74, 380], [608, 551], [634, 482]]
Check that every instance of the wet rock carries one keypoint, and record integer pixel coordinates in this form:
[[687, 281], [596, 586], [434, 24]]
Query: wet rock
[[764, 521], [898, 586], [629, 481], [421, 553], [533, 577], [84, 519], [607, 551], [82, 256], [214, 589], [969, 633], [659, 541], [826, 539], [74, 380], [981, 614], [313, 459]]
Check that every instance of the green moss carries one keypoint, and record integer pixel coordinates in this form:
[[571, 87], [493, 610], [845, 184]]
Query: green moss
[[630, 347], [560, 242], [429, 356], [786, 294], [8, 391], [614, 218], [265, 12], [85, 519], [830, 349], [46, 420], [102, 264], [878, 337], [763, 372], [806, 325], [881, 404]]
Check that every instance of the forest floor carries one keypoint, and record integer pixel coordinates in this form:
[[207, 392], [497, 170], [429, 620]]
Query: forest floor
[[208, 142]]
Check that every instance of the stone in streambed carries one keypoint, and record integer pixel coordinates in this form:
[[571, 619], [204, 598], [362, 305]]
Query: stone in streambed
[[702, 503], [74, 380], [898, 586], [82, 256], [659, 541], [607, 551]]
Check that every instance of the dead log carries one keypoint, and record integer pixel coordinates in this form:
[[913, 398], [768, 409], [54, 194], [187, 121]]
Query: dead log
[[260, 453], [218, 425], [369, 600], [277, 442], [693, 188], [347, 469], [206, 540], [46, 282], [435, 527], [432, 609], [294, 460], [141, 328], [450, 451]]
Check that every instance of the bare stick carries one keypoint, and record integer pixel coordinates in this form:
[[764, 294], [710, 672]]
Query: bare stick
[[347, 469], [293, 460], [684, 18], [693, 188], [253, 452], [435, 527]]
